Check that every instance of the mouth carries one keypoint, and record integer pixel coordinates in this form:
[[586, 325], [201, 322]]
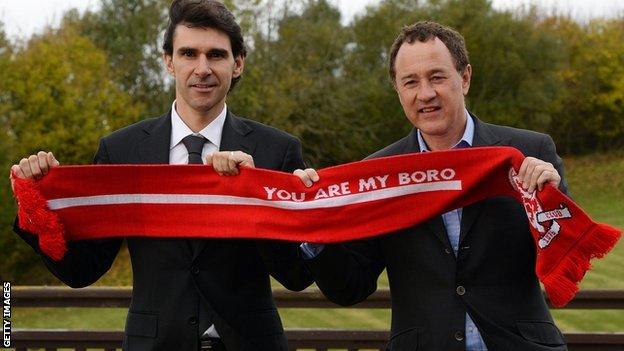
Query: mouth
[[429, 109], [204, 86]]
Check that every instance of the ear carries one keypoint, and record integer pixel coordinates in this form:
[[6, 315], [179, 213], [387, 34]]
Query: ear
[[168, 59], [466, 75], [239, 66]]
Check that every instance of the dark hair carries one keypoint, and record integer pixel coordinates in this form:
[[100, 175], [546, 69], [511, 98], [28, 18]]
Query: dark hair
[[205, 14], [424, 31]]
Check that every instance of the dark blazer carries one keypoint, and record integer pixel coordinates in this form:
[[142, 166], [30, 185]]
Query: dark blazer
[[176, 280], [492, 278]]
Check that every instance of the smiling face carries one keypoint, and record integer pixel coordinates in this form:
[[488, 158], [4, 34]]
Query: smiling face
[[203, 66], [432, 91]]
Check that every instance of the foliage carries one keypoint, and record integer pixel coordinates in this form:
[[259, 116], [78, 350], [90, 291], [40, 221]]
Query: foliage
[[58, 95], [130, 33], [590, 102]]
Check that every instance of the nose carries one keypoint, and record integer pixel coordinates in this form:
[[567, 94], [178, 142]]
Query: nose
[[425, 92], [203, 67]]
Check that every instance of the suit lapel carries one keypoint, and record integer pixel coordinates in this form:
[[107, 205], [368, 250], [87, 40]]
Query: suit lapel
[[234, 137], [483, 136], [155, 147], [436, 226]]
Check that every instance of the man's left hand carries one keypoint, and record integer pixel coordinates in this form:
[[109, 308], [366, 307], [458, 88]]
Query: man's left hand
[[227, 162], [534, 173]]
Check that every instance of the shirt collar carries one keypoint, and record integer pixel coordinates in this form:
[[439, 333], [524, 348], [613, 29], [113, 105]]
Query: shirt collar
[[212, 132], [467, 138]]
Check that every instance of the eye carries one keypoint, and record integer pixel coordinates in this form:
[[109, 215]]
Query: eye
[[188, 53], [216, 54], [437, 78], [409, 83]]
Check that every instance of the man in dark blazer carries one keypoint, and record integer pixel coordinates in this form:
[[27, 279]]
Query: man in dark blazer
[[192, 294], [464, 280]]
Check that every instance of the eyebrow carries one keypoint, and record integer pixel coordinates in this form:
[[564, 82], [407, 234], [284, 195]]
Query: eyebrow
[[414, 75], [220, 51]]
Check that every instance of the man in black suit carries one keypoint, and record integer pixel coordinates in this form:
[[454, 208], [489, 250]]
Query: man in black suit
[[191, 294], [464, 280]]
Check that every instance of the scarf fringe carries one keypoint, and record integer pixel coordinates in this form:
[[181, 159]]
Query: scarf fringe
[[561, 284], [35, 217]]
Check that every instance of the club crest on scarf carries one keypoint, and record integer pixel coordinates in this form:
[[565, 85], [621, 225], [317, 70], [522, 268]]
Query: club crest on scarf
[[545, 222]]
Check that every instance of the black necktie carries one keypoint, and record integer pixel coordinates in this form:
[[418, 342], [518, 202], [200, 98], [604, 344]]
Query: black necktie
[[194, 145]]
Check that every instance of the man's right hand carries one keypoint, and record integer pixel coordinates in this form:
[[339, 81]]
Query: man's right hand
[[35, 166]]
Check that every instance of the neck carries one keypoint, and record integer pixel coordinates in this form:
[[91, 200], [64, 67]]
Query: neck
[[445, 141], [197, 120]]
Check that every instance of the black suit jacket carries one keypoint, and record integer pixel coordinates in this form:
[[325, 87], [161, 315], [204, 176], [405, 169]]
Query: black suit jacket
[[495, 265], [179, 284]]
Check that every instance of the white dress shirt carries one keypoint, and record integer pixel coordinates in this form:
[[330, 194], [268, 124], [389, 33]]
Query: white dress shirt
[[178, 155]]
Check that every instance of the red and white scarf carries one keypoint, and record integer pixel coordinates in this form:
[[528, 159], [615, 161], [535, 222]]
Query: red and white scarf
[[351, 201]]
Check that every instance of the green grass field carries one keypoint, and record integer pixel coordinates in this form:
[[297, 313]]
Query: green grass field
[[596, 183]]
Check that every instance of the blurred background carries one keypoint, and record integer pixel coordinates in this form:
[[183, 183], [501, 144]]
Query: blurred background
[[317, 69]]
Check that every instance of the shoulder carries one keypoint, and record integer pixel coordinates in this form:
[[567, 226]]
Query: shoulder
[[401, 146], [530, 143], [262, 130], [137, 129], [506, 132]]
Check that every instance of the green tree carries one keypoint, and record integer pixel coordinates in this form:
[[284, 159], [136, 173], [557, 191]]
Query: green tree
[[590, 115], [60, 97], [7, 205], [130, 33], [293, 79]]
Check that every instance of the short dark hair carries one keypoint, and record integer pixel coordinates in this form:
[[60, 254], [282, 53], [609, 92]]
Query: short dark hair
[[204, 14], [424, 31]]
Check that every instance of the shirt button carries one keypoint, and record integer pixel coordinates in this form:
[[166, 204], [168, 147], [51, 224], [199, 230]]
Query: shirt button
[[459, 336], [192, 321], [460, 290], [195, 270]]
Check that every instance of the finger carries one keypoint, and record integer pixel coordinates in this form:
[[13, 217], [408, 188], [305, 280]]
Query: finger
[[304, 176], [232, 164], [52, 161], [548, 176], [246, 160], [209, 159], [543, 178], [42, 159], [311, 172], [25, 167], [33, 162], [523, 167], [17, 170], [532, 177], [219, 163], [528, 175]]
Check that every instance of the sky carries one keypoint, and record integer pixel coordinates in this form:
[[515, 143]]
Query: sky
[[22, 18]]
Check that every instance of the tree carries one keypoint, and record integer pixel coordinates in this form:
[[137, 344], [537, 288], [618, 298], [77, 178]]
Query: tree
[[130, 33], [60, 97], [293, 79], [590, 115]]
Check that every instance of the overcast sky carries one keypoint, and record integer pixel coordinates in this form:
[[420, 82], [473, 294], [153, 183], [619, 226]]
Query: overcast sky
[[23, 17]]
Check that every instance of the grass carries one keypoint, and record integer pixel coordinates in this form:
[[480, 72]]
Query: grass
[[596, 183]]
